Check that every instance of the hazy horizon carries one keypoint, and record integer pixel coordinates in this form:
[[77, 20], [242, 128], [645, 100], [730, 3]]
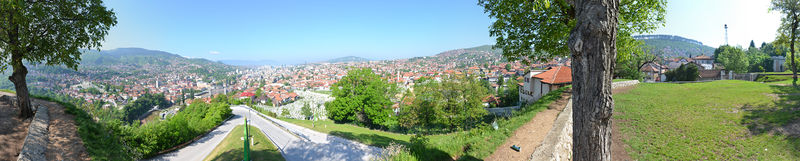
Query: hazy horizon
[[317, 31]]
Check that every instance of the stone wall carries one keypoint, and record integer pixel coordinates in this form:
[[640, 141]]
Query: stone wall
[[502, 111], [36, 141], [624, 83], [557, 145]]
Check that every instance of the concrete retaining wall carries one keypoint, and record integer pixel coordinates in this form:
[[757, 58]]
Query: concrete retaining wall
[[35, 144], [557, 145]]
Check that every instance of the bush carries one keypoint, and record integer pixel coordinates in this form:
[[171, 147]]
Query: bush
[[285, 112], [686, 72]]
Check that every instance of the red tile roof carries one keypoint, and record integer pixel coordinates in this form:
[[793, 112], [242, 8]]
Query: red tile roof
[[702, 57], [247, 94], [556, 75]]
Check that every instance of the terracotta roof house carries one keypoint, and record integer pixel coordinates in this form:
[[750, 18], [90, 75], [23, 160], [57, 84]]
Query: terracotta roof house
[[537, 84], [556, 75]]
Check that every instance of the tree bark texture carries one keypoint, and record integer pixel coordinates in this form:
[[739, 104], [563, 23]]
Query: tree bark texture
[[20, 72], [593, 46], [792, 39]]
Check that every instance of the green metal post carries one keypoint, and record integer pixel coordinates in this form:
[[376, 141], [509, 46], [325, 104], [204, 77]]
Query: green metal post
[[246, 141]]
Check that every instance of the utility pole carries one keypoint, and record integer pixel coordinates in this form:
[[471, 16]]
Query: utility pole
[[246, 140]]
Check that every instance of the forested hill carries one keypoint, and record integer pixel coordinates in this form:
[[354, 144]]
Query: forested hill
[[675, 46], [478, 50], [132, 62], [138, 56]]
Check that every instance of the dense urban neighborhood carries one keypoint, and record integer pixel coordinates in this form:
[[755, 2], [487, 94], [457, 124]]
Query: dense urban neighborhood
[[397, 81]]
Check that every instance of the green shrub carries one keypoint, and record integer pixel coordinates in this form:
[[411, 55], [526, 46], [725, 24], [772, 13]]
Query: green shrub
[[773, 78]]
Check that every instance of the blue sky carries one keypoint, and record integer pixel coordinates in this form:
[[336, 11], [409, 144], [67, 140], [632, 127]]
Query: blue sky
[[305, 30], [703, 20]]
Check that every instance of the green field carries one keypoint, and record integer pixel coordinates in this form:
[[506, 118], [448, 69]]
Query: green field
[[720, 120], [231, 147], [473, 144]]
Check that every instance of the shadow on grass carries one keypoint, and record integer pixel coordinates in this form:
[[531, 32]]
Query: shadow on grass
[[237, 154], [767, 118], [773, 119]]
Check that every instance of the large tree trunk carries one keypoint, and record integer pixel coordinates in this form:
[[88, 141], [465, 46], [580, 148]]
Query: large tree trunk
[[593, 47], [18, 78], [792, 39]]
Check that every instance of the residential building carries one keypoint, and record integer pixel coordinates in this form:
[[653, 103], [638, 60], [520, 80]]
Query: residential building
[[538, 84], [777, 63]]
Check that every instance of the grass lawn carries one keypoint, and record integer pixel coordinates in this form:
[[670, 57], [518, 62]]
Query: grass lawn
[[474, 144], [231, 147], [784, 72], [8, 90], [720, 120]]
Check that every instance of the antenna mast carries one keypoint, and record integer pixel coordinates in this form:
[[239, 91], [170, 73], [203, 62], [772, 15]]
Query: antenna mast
[[726, 34]]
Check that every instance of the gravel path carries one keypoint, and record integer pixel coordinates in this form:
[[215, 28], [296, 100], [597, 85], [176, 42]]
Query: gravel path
[[530, 135]]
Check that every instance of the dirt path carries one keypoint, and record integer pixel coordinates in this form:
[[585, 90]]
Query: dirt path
[[530, 135], [64, 141], [12, 131], [618, 151]]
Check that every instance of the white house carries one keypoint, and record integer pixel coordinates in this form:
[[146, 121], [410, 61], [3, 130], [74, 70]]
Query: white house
[[539, 83]]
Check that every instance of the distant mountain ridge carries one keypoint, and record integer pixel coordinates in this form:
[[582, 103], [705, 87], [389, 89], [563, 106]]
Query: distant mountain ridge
[[135, 56], [250, 62], [674, 46], [483, 49], [348, 59], [667, 37]]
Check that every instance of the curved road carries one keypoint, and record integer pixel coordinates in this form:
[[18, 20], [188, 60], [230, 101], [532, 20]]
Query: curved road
[[299, 144]]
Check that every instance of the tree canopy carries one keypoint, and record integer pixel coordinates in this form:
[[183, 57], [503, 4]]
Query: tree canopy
[[789, 32], [454, 103], [53, 32], [733, 58], [538, 30], [362, 97], [49, 32]]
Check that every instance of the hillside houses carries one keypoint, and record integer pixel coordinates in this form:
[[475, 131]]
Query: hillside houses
[[538, 83]]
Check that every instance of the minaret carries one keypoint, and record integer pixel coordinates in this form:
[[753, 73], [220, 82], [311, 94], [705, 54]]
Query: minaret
[[726, 34]]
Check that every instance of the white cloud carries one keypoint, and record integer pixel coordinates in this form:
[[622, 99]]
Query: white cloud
[[214, 52]]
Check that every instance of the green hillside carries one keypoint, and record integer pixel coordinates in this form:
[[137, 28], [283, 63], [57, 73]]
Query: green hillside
[[133, 63], [675, 46]]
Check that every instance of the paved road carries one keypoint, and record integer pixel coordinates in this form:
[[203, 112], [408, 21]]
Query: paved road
[[300, 144]]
